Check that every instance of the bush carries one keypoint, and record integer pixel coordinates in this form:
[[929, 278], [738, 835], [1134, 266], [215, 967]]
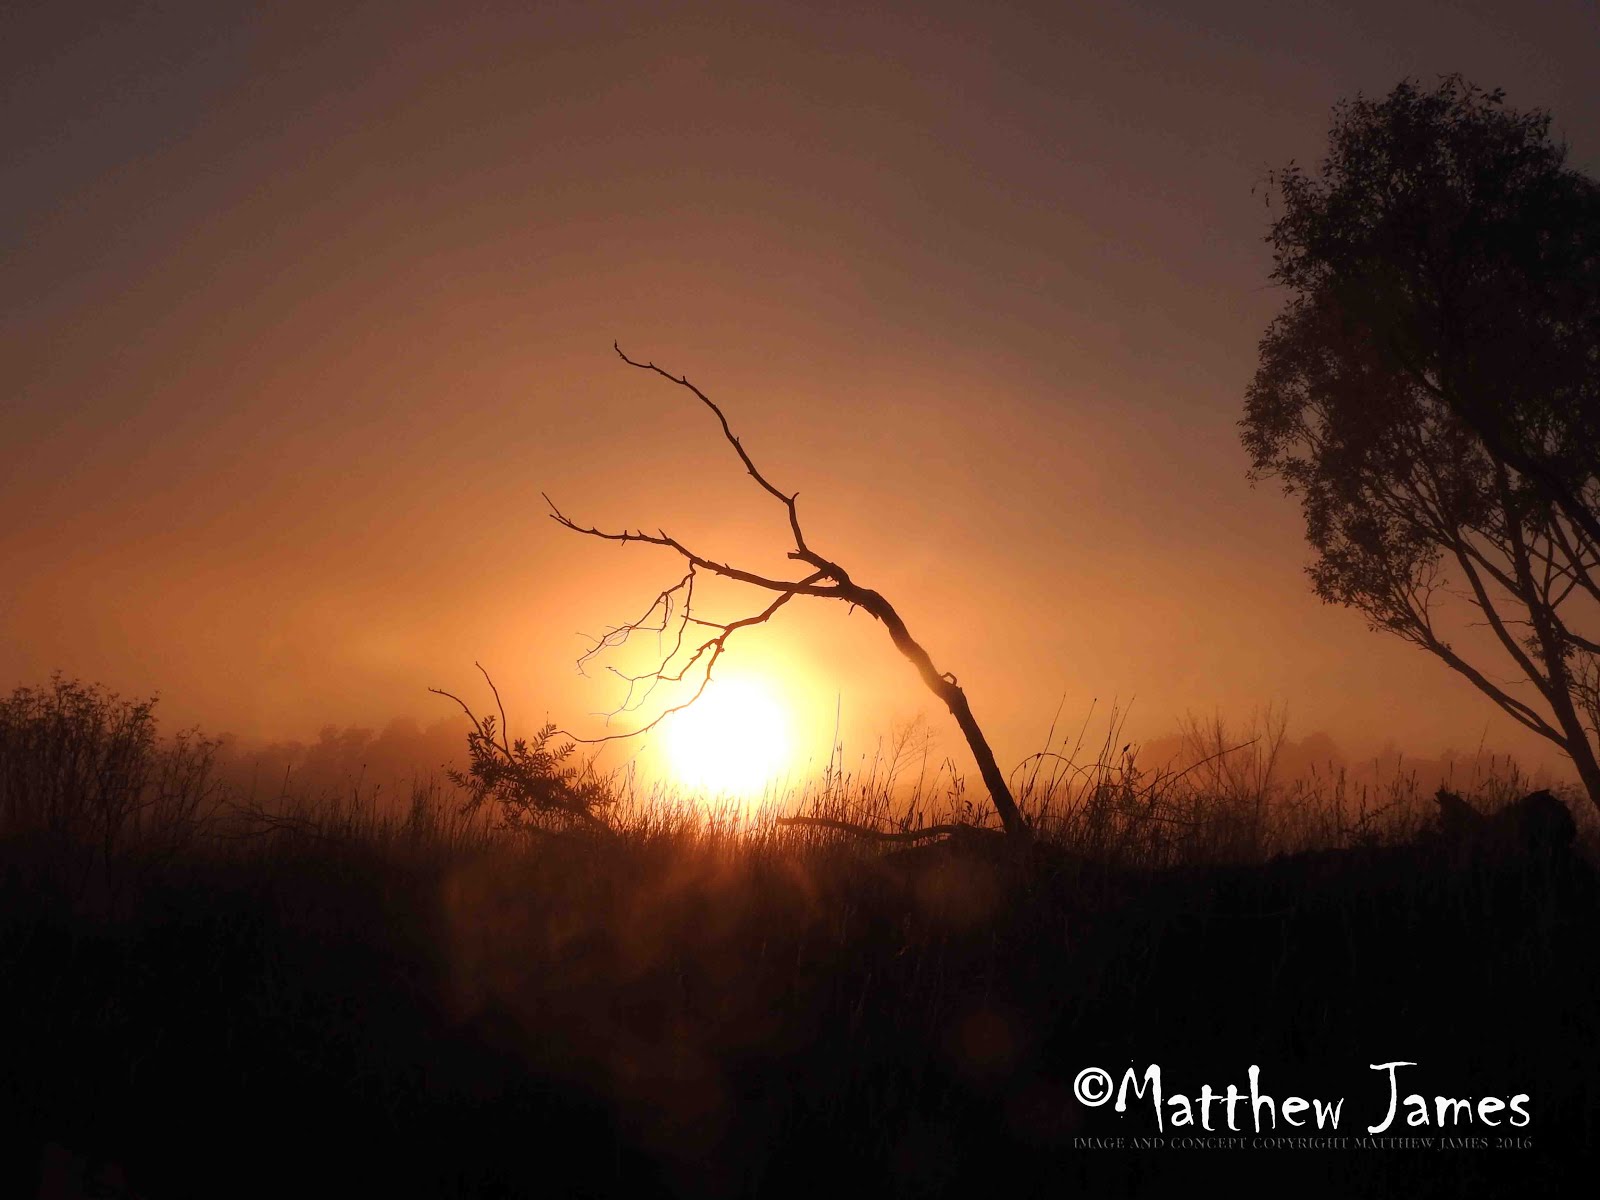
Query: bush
[[82, 766], [531, 783]]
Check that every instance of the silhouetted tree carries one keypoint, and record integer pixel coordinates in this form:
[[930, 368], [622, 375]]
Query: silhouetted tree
[[1431, 391], [826, 579]]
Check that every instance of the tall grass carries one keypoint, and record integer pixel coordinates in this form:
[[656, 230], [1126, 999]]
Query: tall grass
[[417, 998], [83, 768]]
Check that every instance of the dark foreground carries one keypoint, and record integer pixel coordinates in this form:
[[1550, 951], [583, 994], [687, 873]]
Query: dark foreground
[[310, 1016]]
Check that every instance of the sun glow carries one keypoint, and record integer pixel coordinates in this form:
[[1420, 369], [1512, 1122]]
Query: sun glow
[[734, 740]]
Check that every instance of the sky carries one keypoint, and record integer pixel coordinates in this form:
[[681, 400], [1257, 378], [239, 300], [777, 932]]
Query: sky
[[303, 306]]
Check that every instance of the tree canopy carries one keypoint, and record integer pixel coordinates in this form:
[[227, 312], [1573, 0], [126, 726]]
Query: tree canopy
[[1431, 390]]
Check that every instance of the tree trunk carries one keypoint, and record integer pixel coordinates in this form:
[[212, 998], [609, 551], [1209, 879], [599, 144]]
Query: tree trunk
[[946, 688], [1552, 648]]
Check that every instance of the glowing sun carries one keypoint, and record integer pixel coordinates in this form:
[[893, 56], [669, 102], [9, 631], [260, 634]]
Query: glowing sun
[[734, 739]]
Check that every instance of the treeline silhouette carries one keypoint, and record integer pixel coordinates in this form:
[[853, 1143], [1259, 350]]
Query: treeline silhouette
[[209, 995], [385, 761]]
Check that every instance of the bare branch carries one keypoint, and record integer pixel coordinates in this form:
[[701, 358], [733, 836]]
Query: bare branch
[[1514, 708], [786, 499], [620, 633], [504, 744], [660, 538], [471, 716], [716, 645], [1573, 550], [1486, 603]]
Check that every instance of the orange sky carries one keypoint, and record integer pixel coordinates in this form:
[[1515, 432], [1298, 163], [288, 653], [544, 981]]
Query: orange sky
[[303, 310]]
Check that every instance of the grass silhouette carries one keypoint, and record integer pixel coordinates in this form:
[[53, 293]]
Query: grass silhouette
[[210, 993]]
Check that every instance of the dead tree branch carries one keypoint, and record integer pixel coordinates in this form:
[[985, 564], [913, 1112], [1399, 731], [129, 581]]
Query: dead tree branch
[[827, 579]]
